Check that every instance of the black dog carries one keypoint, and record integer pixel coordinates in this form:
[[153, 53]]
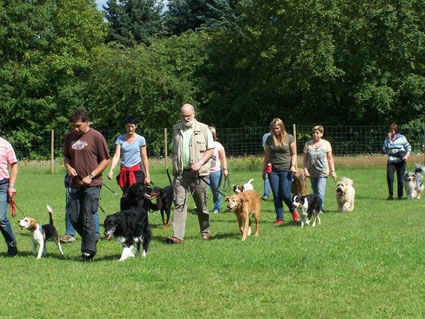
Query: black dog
[[164, 201], [129, 227], [311, 205], [137, 196]]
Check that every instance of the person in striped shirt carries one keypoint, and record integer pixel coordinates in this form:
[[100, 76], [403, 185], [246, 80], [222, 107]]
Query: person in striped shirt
[[398, 149]]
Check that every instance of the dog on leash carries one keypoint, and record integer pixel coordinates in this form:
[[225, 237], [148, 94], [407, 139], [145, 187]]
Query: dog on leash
[[345, 193], [311, 206], [413, 182], [243, 188], [244, 205], [129, 227], [164, 201], [137, 196], [41, 233], [299, 183]]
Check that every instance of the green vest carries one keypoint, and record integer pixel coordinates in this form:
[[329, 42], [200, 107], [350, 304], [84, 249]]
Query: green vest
[[198, 146]]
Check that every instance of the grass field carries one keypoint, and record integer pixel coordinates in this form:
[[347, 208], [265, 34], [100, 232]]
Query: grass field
[[365, 264]]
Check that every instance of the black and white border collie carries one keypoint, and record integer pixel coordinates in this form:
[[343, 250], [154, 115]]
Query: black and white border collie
[[129, 227], [311, 205]]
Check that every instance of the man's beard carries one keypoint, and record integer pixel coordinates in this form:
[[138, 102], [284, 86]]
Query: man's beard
[[189, 123]]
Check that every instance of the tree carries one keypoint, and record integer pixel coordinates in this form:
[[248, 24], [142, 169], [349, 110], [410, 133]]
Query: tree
[[332, 62], [183, 15], [47, 48], [151, 82], [132, 22]]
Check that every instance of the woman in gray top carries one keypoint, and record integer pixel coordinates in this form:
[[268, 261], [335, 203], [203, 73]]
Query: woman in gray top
[[281, 153]]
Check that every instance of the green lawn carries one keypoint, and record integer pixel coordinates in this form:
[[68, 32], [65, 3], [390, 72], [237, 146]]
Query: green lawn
[[365, 264]]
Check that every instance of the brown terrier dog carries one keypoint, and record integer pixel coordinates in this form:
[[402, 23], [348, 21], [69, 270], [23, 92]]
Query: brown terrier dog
[[299, 184], [244, 205]]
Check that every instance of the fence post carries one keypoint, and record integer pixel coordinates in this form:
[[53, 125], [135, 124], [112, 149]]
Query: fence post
[[165, 148], [52, 148]]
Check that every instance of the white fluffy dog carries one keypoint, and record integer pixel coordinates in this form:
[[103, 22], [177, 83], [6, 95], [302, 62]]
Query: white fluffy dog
[[345, 193]]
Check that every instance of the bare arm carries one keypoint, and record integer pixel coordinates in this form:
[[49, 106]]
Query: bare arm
[[145, 163], [223, 160], [293, 150], [207, 155], [97, 171], [70, 170], [331, 164], [12, 179], [115, 160], [305, 165], [266, 160]]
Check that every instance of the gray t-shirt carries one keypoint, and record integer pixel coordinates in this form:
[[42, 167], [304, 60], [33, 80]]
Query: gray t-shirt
[[280, 155], [317, 158]]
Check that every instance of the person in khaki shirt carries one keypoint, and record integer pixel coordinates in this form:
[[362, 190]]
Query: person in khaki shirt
[[193, 146]]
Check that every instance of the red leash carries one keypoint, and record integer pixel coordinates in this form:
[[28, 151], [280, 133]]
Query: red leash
[[13, 207]]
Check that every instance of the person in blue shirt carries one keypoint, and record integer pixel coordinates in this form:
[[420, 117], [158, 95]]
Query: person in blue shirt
[[131, 148], [398, 149]]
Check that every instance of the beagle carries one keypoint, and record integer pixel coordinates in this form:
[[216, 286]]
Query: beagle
[[41, 233]]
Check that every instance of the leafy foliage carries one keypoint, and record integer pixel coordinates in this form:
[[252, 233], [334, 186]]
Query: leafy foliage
[[132, 22], [333, 62], [47, 48], [149, 82], [183, 15]]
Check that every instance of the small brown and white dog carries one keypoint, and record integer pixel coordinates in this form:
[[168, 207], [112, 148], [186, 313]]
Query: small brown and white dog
[[345, 194], [243, 188], [299, 183], [41, 233], [244, 205]]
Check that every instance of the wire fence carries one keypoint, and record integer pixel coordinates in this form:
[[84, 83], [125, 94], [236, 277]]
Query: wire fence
[[345, 141]]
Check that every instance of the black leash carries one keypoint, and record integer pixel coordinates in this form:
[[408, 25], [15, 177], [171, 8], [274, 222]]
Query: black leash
[[201, 177], [114, 192], [227, 187], [102, 209]]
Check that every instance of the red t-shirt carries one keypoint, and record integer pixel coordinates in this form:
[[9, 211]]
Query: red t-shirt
[[85, 152]]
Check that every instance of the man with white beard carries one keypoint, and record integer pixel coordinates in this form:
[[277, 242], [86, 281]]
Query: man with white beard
[[193, 147]]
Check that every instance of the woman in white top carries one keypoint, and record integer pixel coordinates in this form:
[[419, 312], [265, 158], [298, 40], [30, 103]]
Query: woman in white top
[[318, 161], [218, 160], [131, 148]]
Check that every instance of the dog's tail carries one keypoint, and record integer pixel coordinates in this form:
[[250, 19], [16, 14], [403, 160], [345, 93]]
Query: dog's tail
[[347, 181], [249, 182], [169, 178], [419, 169], [50, 210]]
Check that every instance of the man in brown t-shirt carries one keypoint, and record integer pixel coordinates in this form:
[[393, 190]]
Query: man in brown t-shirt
[[86, 156]]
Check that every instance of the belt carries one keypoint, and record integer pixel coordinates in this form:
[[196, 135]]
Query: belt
[[4, 181]]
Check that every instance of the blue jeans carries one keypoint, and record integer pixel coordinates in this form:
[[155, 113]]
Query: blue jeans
[[266, 187], [5, 226], [69, 229], [281, 182], [215, 182], [318, 184]]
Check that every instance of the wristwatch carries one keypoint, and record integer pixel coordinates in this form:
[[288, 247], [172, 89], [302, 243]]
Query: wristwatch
[[91, 176]]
